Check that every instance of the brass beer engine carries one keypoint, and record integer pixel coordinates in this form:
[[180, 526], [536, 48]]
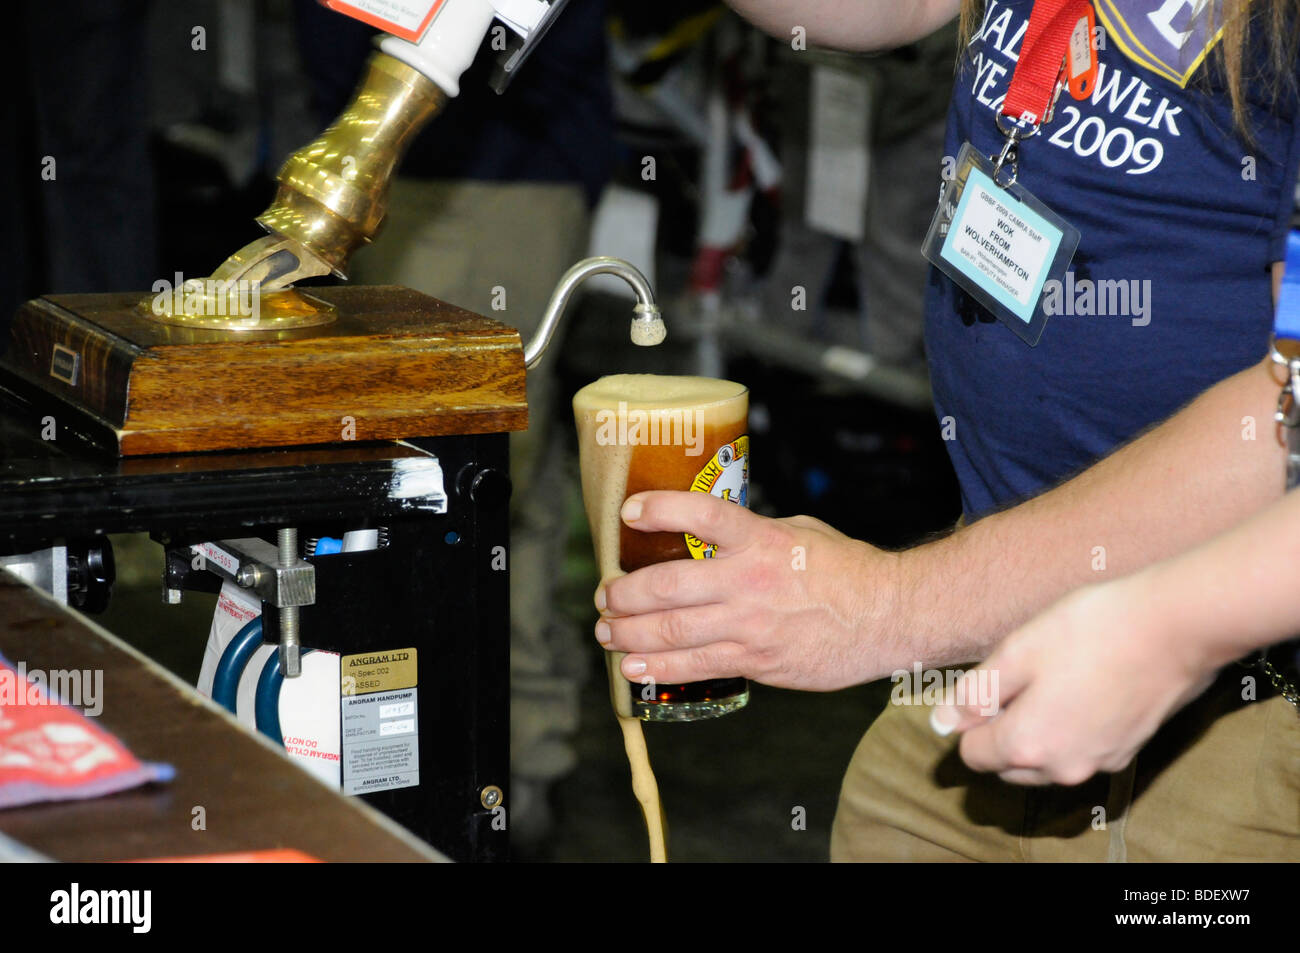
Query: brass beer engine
[[236, 360], [331, 200], [243, 360], [170, 372]]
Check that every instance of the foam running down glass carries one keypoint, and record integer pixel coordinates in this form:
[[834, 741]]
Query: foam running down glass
[[650, 432]]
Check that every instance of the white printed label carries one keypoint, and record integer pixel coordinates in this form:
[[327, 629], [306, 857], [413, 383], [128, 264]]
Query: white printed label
[[405, 18], [838, 160], [215, 554], [235, 608], [379, 755], [1002, 246], [309, 716], [1080, 49]]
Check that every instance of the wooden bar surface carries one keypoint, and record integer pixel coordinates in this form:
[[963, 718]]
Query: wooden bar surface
[[253, 796]]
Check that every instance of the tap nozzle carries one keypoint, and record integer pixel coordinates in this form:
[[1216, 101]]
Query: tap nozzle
[[647, 323]]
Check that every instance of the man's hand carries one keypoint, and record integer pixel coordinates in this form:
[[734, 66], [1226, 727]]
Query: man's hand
[[1082, 686], [787, 602]]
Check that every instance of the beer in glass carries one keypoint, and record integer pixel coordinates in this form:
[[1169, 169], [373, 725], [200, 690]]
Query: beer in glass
[[652, 432]]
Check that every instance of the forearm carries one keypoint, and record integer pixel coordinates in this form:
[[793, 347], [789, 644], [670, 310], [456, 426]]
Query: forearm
[[1186, 480], [849, 24], [1232, 595]]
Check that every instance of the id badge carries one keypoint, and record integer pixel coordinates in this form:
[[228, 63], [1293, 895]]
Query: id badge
[[1001, 245]]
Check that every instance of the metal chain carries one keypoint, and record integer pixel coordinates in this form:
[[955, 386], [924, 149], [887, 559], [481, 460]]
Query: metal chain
[[1288, 415], [1284, 688]]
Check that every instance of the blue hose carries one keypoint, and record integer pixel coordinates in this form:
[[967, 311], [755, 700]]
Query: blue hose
[[266, 705], [235, 658]]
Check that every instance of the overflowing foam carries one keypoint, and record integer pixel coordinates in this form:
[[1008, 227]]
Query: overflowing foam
[[604, 484], [645, 787]]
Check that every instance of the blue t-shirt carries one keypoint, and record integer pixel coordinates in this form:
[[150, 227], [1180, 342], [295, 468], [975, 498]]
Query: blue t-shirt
[[1170, 201]]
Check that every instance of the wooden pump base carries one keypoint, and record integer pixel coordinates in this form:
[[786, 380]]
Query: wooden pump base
[[395, 363]]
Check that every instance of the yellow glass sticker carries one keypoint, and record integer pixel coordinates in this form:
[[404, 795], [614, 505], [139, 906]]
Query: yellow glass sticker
[[725, 476]]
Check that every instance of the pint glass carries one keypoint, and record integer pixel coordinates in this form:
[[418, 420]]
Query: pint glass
[[651, 432]]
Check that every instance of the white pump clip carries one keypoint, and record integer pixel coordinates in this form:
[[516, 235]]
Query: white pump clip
[[522, 16], [452, 40]]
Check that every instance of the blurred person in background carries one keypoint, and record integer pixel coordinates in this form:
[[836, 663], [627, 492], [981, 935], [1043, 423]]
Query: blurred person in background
[[905, 96], [78, 166]]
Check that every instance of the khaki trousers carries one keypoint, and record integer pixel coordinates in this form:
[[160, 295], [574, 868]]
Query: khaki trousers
[[1219, 782]]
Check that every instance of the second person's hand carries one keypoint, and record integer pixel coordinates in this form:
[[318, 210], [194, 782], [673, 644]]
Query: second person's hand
[[1081, 687]]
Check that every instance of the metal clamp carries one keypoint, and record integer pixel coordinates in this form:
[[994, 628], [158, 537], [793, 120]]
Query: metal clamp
[[277, 574], [256, 566]]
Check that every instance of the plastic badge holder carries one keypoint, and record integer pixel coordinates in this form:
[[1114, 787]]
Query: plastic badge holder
[[1006, 246]]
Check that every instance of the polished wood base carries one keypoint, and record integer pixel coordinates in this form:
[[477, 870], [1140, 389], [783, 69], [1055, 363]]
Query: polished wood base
[[396, 363]]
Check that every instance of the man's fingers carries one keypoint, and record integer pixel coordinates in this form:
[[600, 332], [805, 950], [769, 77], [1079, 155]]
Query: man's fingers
[[663, 631], [983, 691], [717, 660], [725, 524], [679, 582]]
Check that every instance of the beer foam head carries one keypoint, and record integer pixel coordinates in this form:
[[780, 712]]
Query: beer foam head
[[654, 391]]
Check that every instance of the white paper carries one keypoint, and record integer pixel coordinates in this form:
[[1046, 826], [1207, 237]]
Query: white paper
[[838, 158], [235, 608], [309, 716]]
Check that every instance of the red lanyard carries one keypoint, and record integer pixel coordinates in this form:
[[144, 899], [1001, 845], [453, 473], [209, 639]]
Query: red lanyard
[[1039, 71]]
